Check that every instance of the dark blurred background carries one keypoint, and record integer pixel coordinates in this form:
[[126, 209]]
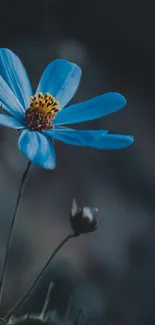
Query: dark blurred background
[[114, 43]]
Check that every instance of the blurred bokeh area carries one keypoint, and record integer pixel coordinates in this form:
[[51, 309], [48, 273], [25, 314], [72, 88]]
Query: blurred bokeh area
[[112, 270]]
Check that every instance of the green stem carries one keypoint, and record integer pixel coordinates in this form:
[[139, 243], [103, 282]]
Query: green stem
[[2, 281], [18, 306]]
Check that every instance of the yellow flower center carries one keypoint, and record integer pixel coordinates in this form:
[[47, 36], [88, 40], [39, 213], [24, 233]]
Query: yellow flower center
[[42, 110]]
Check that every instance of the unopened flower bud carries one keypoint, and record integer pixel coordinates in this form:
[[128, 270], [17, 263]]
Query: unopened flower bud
[[83, 220]]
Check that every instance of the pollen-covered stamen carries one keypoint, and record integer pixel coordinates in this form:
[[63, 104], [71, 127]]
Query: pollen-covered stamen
[[42, 110]]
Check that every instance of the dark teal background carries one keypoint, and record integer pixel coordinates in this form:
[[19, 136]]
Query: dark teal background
[[114, 43]]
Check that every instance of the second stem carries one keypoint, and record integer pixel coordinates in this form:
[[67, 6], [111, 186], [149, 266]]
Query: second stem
[[18, 306], [11, 230]]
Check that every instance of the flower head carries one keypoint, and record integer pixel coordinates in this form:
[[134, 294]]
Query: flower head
[[41, 116], [83, 220]]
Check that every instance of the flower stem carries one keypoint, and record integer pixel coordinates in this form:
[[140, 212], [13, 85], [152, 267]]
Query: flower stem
[[24, 177], [18, 306]]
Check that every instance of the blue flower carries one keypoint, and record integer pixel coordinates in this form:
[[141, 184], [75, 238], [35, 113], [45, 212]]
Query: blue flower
[[42, 117]]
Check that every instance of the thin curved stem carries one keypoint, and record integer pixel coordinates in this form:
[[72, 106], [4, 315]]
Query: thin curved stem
[[2, 281], [18, 306]]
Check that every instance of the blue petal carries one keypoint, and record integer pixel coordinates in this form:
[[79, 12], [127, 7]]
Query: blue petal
[[89, 110], [15, 75], [37, 148], [112, 141], [61, 79], [98, 139], [9, 101], [10, 122]]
